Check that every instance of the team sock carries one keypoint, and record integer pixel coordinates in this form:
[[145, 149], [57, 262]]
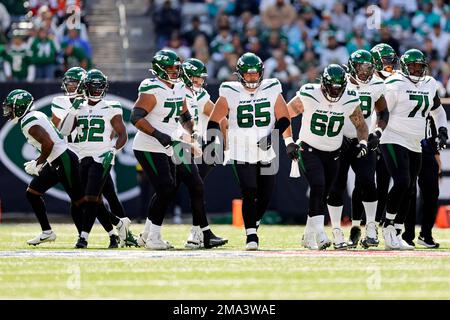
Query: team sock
[[335, 216], [371, 210]]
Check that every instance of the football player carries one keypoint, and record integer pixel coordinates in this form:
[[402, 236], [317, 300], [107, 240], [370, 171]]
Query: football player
[[96, 121], [73, 87], [193, 75], [159, 110], [255, 107], [325, 107], [370, 90], [56, 162], [386, 63], [411, 95]]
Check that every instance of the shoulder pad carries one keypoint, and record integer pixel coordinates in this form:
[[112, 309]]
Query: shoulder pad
[[150, 86]]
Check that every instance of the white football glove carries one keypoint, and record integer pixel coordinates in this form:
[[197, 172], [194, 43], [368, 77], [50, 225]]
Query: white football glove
[[32, 168]]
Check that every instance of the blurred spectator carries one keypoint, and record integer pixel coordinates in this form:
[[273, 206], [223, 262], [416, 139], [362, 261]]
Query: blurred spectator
[[251, 6], [356, 42], [400, 24], [280, 14], [16, 8], [440, 40], [175, 44], [226, 72], [35, 5], [220, 42], [308, 60], [385, 10], [312, 21], [43, 53], [340, 19], [333, 53], [194, 31], [167, 20], [74, 57], [425, 18], [385, 36], [18, 62], [282, 67], [73, 38], [5, 18], [311, 76]]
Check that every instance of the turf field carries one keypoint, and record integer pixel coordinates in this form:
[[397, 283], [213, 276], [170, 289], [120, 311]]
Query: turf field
[[280, 270]]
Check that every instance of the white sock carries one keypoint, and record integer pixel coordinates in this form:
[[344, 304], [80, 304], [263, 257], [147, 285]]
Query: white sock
[[84, 235], [399, 226], [206, 228], [250, 231], [258, 223], [47, 231], [356, 223], [335, 216], [390, 216], [112, 232], [309, 226], [154, 229], [371, 210], [146, 231], [317, 223]]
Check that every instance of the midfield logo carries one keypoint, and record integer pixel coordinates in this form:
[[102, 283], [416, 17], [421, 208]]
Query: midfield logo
[[14, 152]]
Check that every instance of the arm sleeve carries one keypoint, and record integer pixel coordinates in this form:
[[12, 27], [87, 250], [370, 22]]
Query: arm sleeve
[[440, 117], [66, 127]]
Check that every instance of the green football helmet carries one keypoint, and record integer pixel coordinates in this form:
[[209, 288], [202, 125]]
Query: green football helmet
[[414, 65], [72, 83], [333, 82], [193, 68], [385, 59], [95, 85], [166, 65], [249, 63], [361, 66], [17, 104]]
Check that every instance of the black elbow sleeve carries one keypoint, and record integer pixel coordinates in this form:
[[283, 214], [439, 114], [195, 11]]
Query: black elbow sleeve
[[282, 124], [185, 117], [137, 114], [383, 115]]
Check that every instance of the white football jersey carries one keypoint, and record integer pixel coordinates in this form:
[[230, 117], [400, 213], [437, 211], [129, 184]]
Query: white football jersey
[[322, 120], [60, 108], [409, 105], [196, 102], [37, 118], [368, 94], [251, 117], [94, 129], [163, 117]]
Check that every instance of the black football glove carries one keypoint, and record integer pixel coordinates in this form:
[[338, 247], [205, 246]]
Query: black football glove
[[362, 149], [441, 139], [374, 140], [292, 150]]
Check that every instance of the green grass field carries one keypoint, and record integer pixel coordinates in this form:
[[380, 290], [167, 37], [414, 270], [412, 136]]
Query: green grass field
[[280, 270]]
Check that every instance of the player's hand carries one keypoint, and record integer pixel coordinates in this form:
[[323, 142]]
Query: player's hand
[[163, 138], [108, 157], [265, 143], [293, 150], [362, 149], [77, 102], [441, 139], [374, 140], [32, 168]]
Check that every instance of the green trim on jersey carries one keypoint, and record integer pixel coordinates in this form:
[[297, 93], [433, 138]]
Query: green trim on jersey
[[229, 87], [67, 167], [149, 158], [56, 106], [378, 82], [233, 165], [391, 150], [271, 85], [116, 106], [188, 96], [394, 80], [308, 95], [151, 86], [201, 95], [354, 100], [27, 121], [300, 162], [428, 80]]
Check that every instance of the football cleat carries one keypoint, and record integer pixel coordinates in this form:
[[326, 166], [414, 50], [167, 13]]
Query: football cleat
[[309, 241], [141, 241], [371, 238], [131, 240], [195, 238], [154, 242], [113, 241], [210, 240], [338, 239], [322, 240], [404, 245], [81, 243], [390, 238], [122, 229], [427, 242], [355, 235], [252, 242], [41, 238]]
